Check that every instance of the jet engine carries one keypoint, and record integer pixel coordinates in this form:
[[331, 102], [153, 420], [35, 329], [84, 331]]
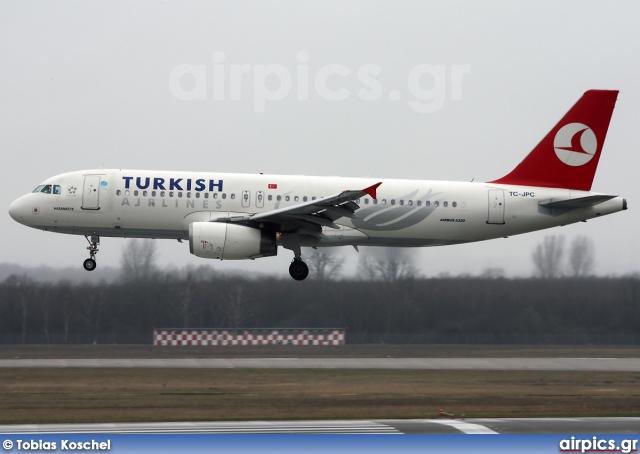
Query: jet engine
[[226, 241]]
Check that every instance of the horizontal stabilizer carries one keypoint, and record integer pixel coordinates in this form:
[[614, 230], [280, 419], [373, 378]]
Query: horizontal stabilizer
[[580, 202]]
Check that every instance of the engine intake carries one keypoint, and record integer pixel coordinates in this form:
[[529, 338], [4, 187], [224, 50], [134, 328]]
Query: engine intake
[[226, 241]]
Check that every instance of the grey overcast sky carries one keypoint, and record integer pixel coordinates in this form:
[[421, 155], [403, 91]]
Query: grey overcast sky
[[90, 84]]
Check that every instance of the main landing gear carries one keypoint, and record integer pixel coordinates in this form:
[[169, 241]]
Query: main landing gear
[[90, 263], [298, 269]]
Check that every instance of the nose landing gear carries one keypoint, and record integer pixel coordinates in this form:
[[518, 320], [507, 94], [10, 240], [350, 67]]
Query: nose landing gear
[[90, 263]]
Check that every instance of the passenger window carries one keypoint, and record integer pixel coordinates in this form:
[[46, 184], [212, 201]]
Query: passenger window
[[127, 193], [393, 201], [270, 198], [366, 201], [197, 195], [161, 193], [287, 198], [135, 193], [304, 199], [206, 195], [224, 195], [446, 204], [170, 193], [279, 198], [296, 198], [188, 195], [402, 202], [118, 192], [427, 203], [436, 203], [144, 193], [179, 193], [153, 193], [384, 201], [419, 203], [410, 202], [454, 204], [233, 196]]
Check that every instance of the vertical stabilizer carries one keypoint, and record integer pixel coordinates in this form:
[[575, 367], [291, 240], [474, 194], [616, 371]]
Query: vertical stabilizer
[[568, 156]]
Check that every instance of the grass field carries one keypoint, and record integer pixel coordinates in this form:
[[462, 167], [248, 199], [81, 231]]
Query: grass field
[[127, 395], [147, 395]]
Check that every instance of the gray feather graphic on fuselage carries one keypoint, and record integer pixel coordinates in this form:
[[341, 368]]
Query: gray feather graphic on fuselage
[[395, 217]]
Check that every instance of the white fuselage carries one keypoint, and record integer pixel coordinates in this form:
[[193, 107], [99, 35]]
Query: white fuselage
[[161, 204]]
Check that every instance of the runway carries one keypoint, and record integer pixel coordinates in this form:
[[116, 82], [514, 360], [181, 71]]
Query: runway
[[531, 364], [395, 426]]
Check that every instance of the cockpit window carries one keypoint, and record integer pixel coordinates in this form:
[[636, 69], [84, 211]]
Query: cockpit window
[[48, 189], [44, 188]]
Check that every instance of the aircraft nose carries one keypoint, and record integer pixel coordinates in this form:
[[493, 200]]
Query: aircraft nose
[[16, 210]]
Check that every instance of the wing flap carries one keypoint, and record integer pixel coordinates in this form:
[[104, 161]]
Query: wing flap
[[316, 220]]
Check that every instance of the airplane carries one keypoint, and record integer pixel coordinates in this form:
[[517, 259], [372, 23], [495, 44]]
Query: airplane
[[247, 216]]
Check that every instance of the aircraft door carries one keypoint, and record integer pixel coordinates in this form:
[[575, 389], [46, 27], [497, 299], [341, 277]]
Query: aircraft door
[[496, 206], [91, 192], [260, 199], [246, 199]]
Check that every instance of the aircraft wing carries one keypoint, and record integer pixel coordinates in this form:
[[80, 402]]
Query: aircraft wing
[[311, 216]]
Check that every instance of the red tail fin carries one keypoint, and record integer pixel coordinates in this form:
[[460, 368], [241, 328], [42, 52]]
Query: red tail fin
[[568, 156]]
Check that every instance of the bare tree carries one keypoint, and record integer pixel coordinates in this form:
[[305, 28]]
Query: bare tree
[[237, 303], [20, 286], [324, 263], [184, 302], [93, 309], [388, 264], [367, 268], [65, 296], [493, 273], [547, 256], [138, 260], [45, 307], [581, 256]]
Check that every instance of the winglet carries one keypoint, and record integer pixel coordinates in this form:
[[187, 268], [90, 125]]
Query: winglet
[[371, 190]]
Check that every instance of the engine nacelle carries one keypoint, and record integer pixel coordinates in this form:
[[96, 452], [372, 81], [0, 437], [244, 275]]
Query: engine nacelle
[[226, 241]]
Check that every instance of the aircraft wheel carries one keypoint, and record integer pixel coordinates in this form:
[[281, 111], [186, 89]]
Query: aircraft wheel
[[298, 270], [89, 264]]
